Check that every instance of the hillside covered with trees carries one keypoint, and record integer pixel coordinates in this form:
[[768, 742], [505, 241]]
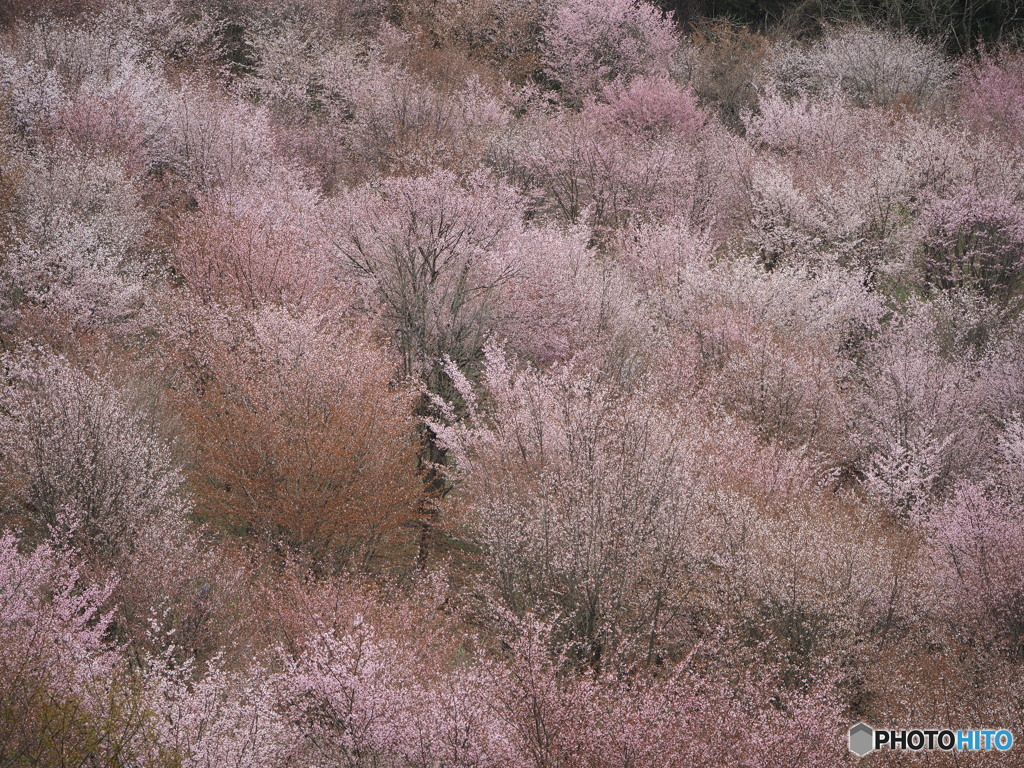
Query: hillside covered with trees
[[508, 383]]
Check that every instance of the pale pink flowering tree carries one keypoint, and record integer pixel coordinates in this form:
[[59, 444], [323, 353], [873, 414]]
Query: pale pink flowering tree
[[302, 69], [1010, 455], [454, 264], [802, 123], [974, 240], [439, 255], [118, 98], [999, 390], [562, 300], [71, 440], [682, 717], [124, 113], [401, 124], [788, 226], [651, 105], [51, 626], [215, 140], [34, 93], [259, 244], [767, 345], [176, 31], [911, 414], [343, 697], [56, 670], [545, 301], [587, 44], [872, 65], [75, 52], [656, 256], [358, 698], [207, 716], [585, 169], [979, 541], [66, 54], [78, 253], [596, 169], [577, 492], [431, 248], [993, 93], [205, 136]]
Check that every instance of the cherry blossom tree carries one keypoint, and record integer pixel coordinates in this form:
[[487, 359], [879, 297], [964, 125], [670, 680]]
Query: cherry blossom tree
[[975, 241], [431, 249], [588, 44], [74, 442], [991, 93], [978, 536], [59, 694], [595, 530], [259, 245]]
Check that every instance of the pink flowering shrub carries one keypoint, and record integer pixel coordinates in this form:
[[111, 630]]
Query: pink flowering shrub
[[52, 630], [59, 697], [975, 241], [607, 541], [581, 169], [404, 125], [651, 105], [873, 66], [206, 716], [588, 44], [433, 250], [911, 419], [122, 113], [767, 345], [993, 94], [978, 541], [802, 124], [77, 254], [258, 245], [74, 442]]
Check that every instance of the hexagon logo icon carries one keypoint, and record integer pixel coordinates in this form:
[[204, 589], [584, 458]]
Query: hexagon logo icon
[[862, 739]]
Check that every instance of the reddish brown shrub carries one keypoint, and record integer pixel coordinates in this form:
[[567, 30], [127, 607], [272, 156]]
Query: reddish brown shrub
[[300, 437]]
